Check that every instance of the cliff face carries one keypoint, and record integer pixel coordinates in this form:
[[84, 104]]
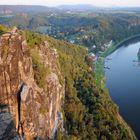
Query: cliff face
[[35, 111]]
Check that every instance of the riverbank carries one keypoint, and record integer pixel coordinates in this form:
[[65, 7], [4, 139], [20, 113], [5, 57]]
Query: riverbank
[[100, 75], [99, 72], [110, 50], [99, 66]]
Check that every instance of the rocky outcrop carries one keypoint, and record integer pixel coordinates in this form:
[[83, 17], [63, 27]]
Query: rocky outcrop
[[33, 110]]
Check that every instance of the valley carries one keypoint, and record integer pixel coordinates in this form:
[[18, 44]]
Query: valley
[[62, 56]]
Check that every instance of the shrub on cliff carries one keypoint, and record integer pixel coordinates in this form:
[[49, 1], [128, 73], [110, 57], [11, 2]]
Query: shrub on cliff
[[40, 71]]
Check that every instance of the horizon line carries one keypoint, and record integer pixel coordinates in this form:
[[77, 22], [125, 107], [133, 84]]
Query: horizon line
[[55, 6]]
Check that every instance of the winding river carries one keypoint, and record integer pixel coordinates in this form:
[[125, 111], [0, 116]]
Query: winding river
[[123, 82]]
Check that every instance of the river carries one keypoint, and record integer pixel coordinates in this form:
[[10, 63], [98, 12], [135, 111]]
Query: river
[[123, 83]]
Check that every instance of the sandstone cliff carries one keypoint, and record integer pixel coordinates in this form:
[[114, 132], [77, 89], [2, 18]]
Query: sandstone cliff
[[28, 110]]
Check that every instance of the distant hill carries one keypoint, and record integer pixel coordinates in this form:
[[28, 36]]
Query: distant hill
[[88, 7], [78, 7], [24, 8]]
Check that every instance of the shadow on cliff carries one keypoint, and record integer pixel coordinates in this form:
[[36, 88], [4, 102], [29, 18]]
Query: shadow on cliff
[[7, 125], [39, 138]]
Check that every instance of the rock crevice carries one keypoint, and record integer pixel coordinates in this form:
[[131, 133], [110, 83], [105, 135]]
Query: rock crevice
[[32, 109]]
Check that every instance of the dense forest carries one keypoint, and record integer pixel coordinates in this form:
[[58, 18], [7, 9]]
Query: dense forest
[[88, 111], [88, 28]]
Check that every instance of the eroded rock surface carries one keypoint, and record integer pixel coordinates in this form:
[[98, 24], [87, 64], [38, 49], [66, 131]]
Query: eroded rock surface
[[31, 110]]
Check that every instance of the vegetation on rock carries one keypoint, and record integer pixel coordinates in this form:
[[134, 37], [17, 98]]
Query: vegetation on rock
[[89, 113]]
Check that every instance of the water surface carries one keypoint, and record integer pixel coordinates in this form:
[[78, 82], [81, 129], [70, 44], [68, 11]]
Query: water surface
[[123, 82]]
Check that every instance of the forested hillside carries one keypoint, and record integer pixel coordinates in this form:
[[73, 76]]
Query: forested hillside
[[88, 111], [88, 28]]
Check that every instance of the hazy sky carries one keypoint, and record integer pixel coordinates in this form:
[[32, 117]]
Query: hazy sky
[[60, 2]]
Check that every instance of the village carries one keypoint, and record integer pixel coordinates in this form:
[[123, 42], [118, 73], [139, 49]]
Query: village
[[94, 56]]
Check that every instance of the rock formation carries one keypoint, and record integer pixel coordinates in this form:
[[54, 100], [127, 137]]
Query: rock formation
[[34, 111]]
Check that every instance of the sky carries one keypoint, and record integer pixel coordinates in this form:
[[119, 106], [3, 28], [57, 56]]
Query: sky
[[72, 2]]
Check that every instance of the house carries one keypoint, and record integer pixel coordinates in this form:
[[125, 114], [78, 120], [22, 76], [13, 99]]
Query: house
[[109, 44], [93, 56], [72, 41], [94, 46]]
